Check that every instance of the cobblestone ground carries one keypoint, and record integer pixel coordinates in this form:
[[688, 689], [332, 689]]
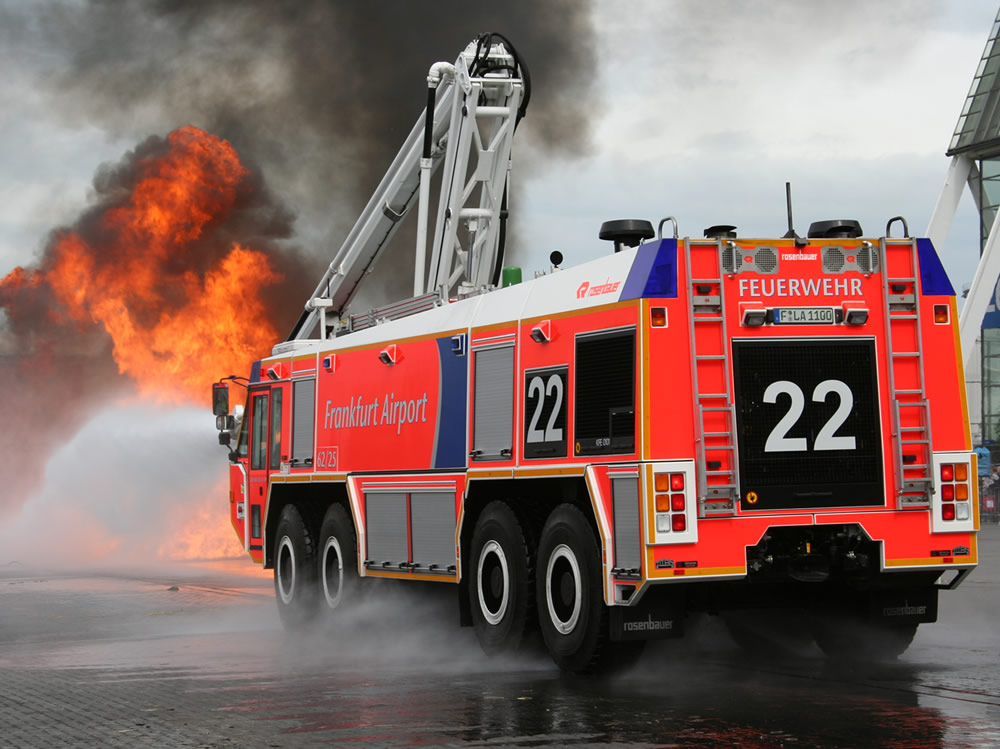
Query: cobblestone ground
[[124, 660]]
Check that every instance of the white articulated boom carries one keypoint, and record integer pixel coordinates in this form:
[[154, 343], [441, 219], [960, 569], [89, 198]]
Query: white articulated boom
[[473, 108]]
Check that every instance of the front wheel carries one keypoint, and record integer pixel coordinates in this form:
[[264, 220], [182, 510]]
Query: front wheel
[[294, 570], [568, 593], [501, 585]]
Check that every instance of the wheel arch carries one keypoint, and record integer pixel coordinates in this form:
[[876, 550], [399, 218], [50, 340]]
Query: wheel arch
[[311, 499]]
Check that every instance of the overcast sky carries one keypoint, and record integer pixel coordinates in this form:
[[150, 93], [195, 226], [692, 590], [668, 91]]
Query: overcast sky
[[702, 110]]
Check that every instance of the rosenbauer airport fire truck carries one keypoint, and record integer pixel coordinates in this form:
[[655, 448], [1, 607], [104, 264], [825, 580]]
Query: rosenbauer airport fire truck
[[683, 425]]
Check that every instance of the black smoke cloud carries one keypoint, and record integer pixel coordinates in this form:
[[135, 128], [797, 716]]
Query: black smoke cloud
[[315, 96], [319, 94]]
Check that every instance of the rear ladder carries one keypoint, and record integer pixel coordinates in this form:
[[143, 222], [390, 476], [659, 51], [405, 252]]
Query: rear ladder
[[911, 415], [715, 415]]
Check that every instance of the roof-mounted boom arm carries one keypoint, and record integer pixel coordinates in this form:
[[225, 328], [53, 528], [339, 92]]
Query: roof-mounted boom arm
[[476, 104]]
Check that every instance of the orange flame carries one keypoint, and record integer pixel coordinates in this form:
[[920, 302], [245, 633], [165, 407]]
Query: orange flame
[[177, 318]]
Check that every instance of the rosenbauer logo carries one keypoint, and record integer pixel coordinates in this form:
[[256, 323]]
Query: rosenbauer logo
[[608, 287]]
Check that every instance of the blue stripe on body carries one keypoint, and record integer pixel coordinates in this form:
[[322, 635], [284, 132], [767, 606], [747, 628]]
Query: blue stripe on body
[[449, 450]]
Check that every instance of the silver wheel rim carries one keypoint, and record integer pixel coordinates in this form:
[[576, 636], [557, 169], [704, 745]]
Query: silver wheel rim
[[563, 552], [492, 548], [285, 564], [333, 600]]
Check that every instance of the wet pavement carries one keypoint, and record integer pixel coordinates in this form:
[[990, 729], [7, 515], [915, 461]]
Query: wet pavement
[[196, 658]]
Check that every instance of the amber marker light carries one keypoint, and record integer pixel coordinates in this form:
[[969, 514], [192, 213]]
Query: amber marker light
[[941, 314], [658, 317]]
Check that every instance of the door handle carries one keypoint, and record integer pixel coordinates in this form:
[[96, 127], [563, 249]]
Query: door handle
[[260, 490]]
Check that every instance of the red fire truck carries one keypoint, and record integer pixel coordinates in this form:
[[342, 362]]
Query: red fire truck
[[683, 425]]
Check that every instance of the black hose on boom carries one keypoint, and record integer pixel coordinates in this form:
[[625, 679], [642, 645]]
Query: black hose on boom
[[480, 66]]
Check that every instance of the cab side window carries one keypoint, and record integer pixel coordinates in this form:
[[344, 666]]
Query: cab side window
[[258, 440]]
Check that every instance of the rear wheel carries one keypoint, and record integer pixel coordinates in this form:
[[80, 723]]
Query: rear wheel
[[501, 585], [337, 561], [769, 633], [851, 637], [571, 610], [295, 586]]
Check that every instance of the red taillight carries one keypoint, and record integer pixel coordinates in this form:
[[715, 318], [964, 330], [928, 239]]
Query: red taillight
[[679, 523], [961, 492], [948, 472], [948, 492], [961, 472], [663, 503], [658, 317], [676, 482], [677, 502], [948, 512]]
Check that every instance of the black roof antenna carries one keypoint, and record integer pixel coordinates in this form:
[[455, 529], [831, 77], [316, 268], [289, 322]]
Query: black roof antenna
[[790, 234]]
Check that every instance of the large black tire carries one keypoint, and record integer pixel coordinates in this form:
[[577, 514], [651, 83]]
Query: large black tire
[[337, 563], [501, 580], [295, 587], [852, 638], [569, 593]]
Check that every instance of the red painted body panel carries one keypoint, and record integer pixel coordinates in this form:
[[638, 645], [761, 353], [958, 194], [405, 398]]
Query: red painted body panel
[[372, 416]]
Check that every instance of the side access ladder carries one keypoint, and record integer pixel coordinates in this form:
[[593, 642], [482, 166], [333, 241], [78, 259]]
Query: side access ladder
[[715, 414], [911, 415]]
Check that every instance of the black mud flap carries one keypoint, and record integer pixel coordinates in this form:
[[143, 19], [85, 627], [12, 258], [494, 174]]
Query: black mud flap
[[655, 617], [914, 606]]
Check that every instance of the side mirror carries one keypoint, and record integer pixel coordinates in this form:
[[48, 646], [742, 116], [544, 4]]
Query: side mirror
[[220, 399], [224, 438]]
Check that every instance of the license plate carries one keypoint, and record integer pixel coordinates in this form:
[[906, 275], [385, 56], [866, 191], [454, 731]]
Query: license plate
[[803, 315]]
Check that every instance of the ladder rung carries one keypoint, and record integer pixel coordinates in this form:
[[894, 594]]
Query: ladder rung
[[901, 280], [706, 319], [908, 392], [900, 317], [710, 357], [703, 281], [710, 448], [906, 353], [717, 434], [714, 408]]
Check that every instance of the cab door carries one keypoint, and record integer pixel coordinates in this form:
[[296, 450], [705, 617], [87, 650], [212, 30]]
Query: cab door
[[257, 467], [268, 451]]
